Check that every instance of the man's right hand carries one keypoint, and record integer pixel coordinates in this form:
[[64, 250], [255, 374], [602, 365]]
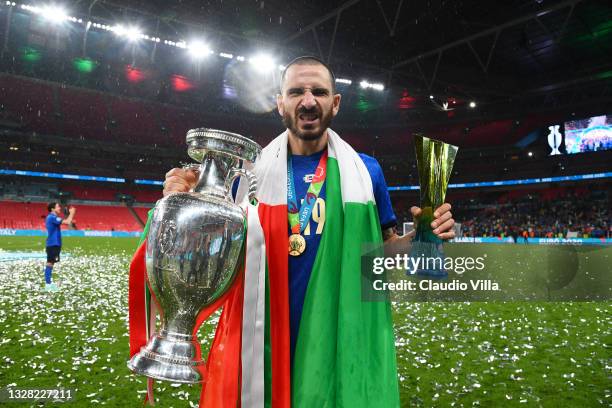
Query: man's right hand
[[179, 181], [71, 210]]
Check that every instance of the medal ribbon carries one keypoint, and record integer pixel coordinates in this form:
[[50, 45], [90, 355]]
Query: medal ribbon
[[299, 216]]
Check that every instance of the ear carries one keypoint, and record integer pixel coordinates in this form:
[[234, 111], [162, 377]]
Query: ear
[[336, 104], [279, 104]]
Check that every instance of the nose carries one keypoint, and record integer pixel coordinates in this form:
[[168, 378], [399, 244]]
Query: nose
[[309, 100]]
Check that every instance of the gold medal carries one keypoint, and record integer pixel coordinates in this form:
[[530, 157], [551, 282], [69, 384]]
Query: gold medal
[[297, 245]]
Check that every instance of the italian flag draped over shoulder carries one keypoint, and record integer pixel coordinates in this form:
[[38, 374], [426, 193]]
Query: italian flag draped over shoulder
[[345, 353]]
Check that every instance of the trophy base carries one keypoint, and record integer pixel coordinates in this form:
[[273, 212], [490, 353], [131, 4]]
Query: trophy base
[[170, 357], [431, 262]]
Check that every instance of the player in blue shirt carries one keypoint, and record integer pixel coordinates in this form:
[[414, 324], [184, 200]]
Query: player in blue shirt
[[53, 223]]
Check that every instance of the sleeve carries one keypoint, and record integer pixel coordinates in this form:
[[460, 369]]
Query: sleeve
[[381, 194], [56, 220]]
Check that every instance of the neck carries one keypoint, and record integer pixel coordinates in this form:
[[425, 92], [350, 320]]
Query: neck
[[307, 147]]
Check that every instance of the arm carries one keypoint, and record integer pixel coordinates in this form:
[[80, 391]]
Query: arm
[[68, 220]]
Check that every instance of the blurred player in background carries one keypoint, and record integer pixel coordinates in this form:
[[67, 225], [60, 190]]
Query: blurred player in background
[[53, 223]]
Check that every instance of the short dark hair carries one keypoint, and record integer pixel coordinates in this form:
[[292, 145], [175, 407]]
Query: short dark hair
[[51, 206], [308, 60]]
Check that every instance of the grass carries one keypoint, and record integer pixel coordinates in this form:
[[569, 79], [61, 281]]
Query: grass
[[449, 354]]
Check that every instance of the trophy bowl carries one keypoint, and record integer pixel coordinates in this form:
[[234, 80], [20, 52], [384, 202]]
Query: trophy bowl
[[194, 252]]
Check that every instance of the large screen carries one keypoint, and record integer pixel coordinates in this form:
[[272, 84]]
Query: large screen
[[589, 135]]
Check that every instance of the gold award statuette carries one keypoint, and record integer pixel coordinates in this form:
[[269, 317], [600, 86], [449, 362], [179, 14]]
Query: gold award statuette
[[435, 164]]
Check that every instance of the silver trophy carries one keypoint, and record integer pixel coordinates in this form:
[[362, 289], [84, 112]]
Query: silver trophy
[[194, 251]]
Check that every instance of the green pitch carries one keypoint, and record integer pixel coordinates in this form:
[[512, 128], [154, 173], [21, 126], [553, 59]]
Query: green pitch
[[461, 354]]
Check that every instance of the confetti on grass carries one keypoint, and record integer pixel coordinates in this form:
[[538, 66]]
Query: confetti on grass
[[449, 354]]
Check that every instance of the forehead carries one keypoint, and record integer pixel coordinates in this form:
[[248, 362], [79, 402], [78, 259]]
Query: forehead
[[307, 76]]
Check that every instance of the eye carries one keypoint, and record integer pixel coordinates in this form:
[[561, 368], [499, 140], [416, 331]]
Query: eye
[[295, 91], [320, 92]]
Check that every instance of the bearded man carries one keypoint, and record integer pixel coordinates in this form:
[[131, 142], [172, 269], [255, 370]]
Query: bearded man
[[319, 201]]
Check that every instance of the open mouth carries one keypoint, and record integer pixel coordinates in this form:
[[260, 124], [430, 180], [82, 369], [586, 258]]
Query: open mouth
[[308, 118]]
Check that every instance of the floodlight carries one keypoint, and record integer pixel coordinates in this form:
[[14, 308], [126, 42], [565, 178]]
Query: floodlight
[[54, 14], [376, 87], [198, 49], [262, 63], [131, 33]]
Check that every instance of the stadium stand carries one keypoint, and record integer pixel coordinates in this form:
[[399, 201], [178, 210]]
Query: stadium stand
[[51, 108], [547, 214], [134, 122], [24, 215], [31, 102], [553, 212], [121, 136], [91, 193], [85, 114], [105, 218], [25, 189]]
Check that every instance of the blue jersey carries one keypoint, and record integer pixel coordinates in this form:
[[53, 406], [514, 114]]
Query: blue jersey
[[300, 267], [54, 230]]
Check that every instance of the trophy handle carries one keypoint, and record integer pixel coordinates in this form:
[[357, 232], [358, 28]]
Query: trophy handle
[[233, 175]]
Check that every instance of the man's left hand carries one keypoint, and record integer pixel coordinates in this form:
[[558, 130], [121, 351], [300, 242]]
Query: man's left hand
[[443, 222]]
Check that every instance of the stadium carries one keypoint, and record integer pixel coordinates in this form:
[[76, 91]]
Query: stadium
[[97, 98]]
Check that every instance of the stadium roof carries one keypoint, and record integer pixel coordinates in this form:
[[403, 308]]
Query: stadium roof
[[436, 58]]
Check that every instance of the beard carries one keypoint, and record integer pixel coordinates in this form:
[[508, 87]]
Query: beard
[[308, 133]]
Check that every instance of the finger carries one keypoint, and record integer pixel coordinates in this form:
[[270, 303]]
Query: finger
[[447, 235], [440, 220], [442, 209], [177, 180], [175, 172], [189, 175], [416, 211], [175, 187], [446, 226]]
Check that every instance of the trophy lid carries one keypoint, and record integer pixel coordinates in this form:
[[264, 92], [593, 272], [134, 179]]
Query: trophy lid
[[201, 140]]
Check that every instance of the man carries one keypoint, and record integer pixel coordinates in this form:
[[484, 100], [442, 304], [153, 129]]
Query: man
[[54, 222], [307, 104]]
